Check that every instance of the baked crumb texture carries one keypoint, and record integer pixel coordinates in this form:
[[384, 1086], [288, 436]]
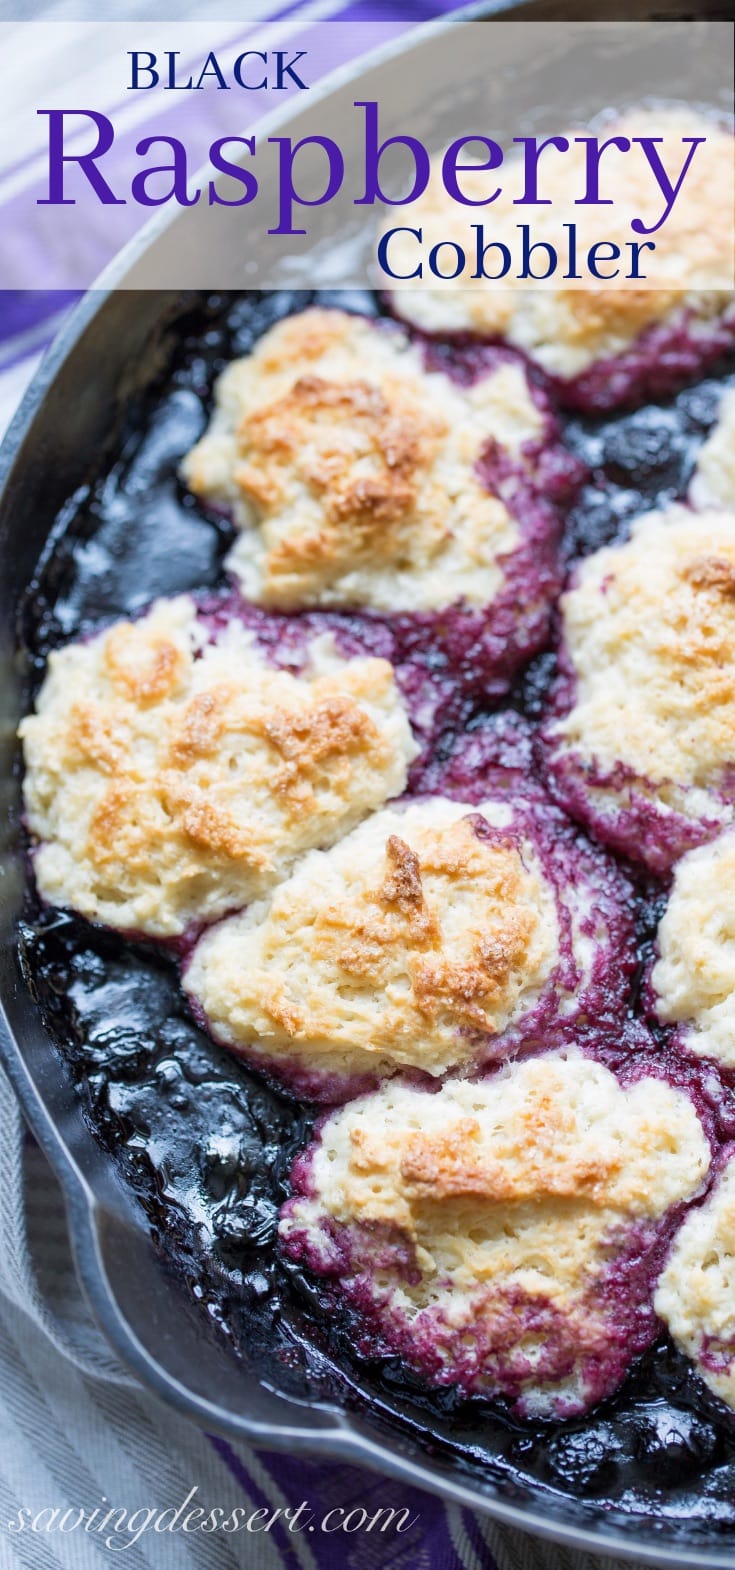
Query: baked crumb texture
[[502, 1236], [435, 936], [359, 473], [605, 344], [643, 748], [696, 1293], [693, 977], [171, 779], [713, 482]]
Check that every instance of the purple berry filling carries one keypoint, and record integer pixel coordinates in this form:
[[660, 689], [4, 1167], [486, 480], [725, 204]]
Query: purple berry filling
[[663, 359]]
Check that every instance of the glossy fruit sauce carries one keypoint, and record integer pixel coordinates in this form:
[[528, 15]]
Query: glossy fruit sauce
[[207, 1145]]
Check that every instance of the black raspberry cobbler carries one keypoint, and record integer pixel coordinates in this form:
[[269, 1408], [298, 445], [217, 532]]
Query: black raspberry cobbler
[[397, 855]]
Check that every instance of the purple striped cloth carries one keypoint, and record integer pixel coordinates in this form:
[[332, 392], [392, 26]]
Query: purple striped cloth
[[29, 320]]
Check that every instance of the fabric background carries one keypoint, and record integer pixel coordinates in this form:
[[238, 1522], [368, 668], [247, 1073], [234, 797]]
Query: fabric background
[[76, 1430]]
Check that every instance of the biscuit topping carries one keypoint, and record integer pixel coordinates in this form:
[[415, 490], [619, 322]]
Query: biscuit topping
[[397, 947], [713, 484], [170, 780], [694, 976], [696, 1293], [351, 469], [491, 1225], [566, 329], [650, 633]]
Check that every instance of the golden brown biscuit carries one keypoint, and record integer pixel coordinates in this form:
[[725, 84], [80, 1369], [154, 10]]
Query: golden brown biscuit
[[696, 1293], [350, 468], [170, 779], [401, 946], [645, 746], [493, 1233], [693, 978]]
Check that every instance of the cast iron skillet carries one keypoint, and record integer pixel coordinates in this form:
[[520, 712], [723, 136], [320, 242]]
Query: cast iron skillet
[[68, 429]]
